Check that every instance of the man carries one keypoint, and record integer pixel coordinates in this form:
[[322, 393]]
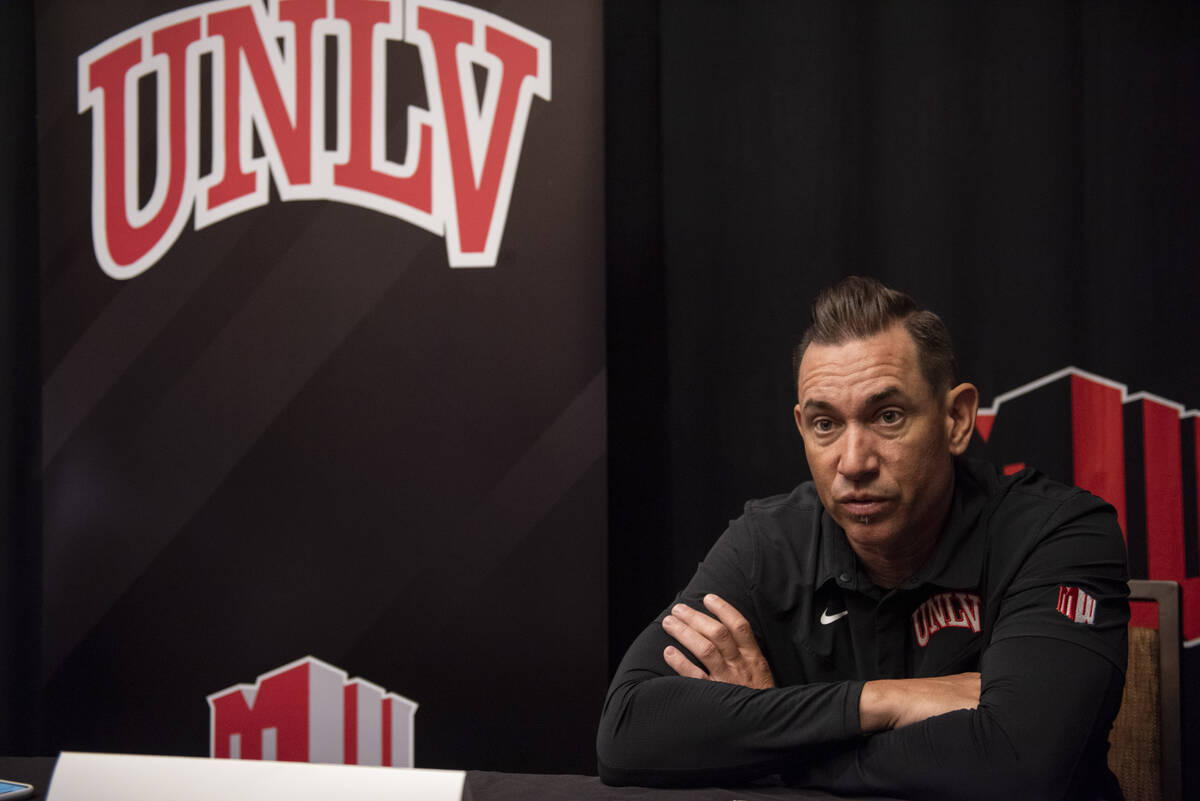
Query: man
[[909, 623]]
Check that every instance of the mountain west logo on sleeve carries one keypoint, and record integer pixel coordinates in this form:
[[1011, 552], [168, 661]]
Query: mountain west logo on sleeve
[[268, 79], [307, 711], [1076, 605]]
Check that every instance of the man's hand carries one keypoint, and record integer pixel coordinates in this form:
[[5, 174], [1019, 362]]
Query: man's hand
[[895, 703], [725, 645]]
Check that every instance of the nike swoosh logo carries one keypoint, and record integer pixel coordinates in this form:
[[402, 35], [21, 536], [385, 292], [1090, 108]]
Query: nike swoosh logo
[[827, 618]]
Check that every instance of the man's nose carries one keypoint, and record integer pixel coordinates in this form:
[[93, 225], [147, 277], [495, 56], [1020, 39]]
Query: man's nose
[[859, 459]]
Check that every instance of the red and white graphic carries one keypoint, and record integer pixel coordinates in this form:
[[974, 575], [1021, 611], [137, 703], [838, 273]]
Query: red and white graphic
[[268, 79], [1138, 451], [307, 711], [959, 610], [1077, 605]]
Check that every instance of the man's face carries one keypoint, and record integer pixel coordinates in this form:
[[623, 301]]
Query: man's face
[[878, 440]]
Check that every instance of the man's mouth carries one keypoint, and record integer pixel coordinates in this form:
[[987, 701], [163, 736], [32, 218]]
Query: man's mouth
[[864, 505]]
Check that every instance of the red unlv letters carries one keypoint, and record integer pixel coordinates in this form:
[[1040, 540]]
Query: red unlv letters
[[946, 610], [268, 74]]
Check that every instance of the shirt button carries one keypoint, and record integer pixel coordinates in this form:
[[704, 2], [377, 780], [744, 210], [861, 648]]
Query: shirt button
[[844, 578]]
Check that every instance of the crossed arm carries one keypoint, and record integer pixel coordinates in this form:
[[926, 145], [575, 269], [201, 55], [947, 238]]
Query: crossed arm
[[725, 645], [1020, 729]]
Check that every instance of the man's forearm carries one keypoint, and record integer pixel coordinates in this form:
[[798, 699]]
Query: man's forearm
[[896, 703], [659, 728], [669, 730]]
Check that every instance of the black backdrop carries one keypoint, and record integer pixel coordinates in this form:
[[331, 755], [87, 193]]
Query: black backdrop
[[20, 548], [1027, 169]]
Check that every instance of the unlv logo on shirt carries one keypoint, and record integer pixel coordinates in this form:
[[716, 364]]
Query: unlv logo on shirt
[[268, 78], [307, 711], [958, 610]]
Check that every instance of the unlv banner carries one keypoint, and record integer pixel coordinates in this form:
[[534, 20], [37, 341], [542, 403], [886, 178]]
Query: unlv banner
[[456, 178], [277, 421]]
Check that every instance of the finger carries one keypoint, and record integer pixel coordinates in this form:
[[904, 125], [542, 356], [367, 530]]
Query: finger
[[694, 641], [681, 664], [732, 619], [709, 627]]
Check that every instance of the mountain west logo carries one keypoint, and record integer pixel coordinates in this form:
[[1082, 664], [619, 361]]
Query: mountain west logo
[[1138, 451], [266, 72], [1076, 605], [307, 711]]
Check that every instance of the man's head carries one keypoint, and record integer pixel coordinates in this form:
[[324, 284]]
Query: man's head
[[856, 307], [882, 418]]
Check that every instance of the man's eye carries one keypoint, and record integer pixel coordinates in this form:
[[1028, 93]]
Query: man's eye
[[822, 426], [889, 417]]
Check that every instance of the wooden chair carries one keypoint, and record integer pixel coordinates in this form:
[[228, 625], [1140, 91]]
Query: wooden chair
[[1145, 745]]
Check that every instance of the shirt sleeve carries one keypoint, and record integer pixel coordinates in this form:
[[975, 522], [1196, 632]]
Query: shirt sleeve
[[1074, 584], [662, 729], [1045, 709]]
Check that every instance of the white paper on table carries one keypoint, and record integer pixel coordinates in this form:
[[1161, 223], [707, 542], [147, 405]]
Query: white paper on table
[[126, 777]]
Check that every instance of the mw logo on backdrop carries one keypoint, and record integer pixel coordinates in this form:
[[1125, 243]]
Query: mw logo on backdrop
[[1140, 452], [307, 711], [266, 72]]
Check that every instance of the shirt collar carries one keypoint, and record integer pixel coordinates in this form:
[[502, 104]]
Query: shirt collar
[[837, 560]]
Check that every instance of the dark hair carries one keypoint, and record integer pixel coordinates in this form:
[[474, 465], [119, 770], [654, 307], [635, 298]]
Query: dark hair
[[856, 308]]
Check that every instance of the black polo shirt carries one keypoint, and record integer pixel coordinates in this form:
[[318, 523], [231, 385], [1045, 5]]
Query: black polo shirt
[[1026, 570]]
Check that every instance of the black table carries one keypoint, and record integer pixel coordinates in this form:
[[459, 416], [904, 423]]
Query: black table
[[489, 786]]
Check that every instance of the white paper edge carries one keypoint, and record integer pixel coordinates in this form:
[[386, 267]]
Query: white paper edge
[[128, 777]]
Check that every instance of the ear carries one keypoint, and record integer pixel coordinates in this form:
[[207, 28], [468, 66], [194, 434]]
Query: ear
[[962, 402], [796, 414]]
